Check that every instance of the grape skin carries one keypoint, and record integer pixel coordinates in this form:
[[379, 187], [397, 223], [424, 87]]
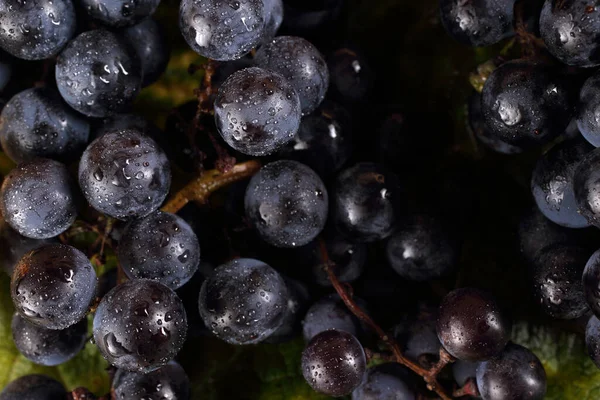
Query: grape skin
[[124, 174], [222, 30], [589, 102], [150, 43], [34, 387], [273, 18], [384, 382], [348, 259], [243, 302], [417, 336], [98, 74], [119, 13], [350, 75], [168, 382], [296, 307], [329, 312], [287, 203], [257, 111], [48, 346], [591, 282], [13, 246], [140, 325], [592, 339], [462, 371], [37, 123], [37, 199], [161, 247], [53, 286]]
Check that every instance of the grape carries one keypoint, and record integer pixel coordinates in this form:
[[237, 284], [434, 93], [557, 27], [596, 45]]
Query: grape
[[592, 339], [479, 22], [351, 76], [296, 308], [516, 373], [53, 286], [47, 346], [588, 108], [169, 382], [13, 246], [118, 13], [37, 199], [421, 249], [34, 387], [36, 29], [124, 174], [417, 335], [222, 30], [462, 371], [314, 18], [570, 31], [287, 203], [591, 282], [243, 301], [586, 180], [140, 325], [364, 202], [37, 123], [329, 313], [552, 179], [98, 74], [150, 44], [301, 64], [257, 111], [161, 247], [348, 260], [471, 325], [333, 363], [273, 18], [384, 382], [526, 104], [557, 281]]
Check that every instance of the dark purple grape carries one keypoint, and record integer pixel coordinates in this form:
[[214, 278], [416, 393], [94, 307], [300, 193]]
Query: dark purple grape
[[591, 282], [348, 259], [34, 387], [169, 382], [298, 301], [526, 104], [329, 313], [150, 44], [588, 110], [37, 123], [36, 29], [98, 74], [140, 325], [462, 371], [552, 183], [417, 336], [570, 31], [13, 246], [48, 346], [222, 30], [287, 203], [385, 382], [556, 279], [301, 64], [273, 17], [38, 198], [478, 22], [244, 301], [350, 75], [119, 13], [257, 112], [53, 286], [516, 373], [592, 339], [586, 185], [333, 363], [471, 325], [124, 174], [161, 247], [422, 249], [365, 198]]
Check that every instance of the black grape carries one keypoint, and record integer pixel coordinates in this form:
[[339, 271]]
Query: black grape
[[140, 325], [222, 30], [124, 174], [98, 74], [592, 339], [37, 123], [462, 371], [161, 247], [479, 22], [34, 387], [53, 286], [591, 282], [556, 280], [570, 31], [257, 111], [329, 313], [243, 301], [333, 363], [526, 104], [48, 346], [365, 201], [150, 44], [385, 382], [38, 198], [298, 301], [301, 64], [417, 336], [422, 249], [348, 259], [350, 75], [168, 382], [119, 13], [273, 17], [287, 203], [471, 325], [588, 117], [586, 185], [13, 246], [516, 373], [552, 183], [36, 29]]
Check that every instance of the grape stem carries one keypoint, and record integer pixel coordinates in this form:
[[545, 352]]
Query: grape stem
[[469, 389], [429, 375]]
